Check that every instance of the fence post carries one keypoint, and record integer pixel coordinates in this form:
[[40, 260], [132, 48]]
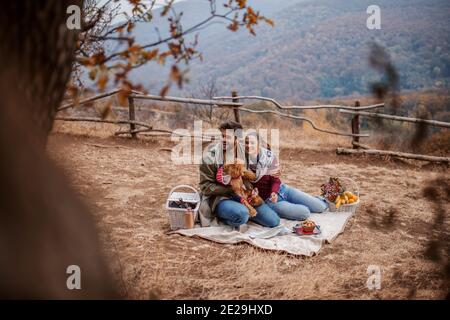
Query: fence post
[[355, 126], [132, 116], [235, 109]]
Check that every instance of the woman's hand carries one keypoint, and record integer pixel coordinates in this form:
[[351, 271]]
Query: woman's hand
[[276, 174], [274, 197]]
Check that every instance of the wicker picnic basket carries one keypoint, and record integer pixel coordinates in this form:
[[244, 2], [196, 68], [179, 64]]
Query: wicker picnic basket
[[350, 207], [176, 214]]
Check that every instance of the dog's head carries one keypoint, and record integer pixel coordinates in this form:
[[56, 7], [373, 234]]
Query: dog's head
[[235, 170]]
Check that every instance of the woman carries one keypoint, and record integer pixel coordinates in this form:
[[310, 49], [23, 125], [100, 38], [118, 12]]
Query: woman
[[286, 201], [225, 205]]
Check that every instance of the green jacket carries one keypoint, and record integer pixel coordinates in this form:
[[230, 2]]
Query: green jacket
[[212, 192]]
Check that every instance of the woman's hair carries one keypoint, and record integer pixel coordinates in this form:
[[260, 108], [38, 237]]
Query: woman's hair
[[261, 141]]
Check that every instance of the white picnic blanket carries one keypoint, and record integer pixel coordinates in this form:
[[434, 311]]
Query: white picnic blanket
[[280, 238]]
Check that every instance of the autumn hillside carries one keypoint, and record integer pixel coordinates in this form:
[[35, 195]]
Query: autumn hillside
[[317, 49]]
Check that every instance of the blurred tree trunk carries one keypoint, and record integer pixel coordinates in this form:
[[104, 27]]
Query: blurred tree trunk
[[44, 228], [39, 48]]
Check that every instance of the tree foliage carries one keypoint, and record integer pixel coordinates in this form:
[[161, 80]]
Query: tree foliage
[[106, 65]]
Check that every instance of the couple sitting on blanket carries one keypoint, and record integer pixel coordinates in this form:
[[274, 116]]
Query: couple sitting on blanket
[[280, 200]]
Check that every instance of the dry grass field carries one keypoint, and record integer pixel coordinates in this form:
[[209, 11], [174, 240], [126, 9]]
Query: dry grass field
[[126, 184]]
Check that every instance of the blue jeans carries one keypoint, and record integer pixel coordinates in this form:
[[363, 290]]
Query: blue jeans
[[235, 214], [294, 204]]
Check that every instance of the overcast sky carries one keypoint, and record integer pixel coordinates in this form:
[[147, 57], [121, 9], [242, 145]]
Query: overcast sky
[[127, 7]]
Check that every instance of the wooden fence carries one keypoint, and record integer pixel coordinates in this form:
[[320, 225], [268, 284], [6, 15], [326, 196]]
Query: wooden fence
[[234, 102]]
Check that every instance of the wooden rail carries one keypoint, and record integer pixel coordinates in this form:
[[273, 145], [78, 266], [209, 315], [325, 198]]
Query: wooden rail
[[148, 127], [88, 100], [154, 132], [279, 106], [393, 154], [360, 145], [139, 95], [234, 104], [187, 100], [307, 120], [223, 102], [359, 148], [90, 119], [398, 118]]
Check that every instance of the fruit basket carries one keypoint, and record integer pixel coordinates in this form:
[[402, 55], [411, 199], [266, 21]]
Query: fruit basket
[[338, 195]]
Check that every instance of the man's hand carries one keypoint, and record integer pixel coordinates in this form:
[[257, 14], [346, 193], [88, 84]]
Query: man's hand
[[222, 177], [274, 197]]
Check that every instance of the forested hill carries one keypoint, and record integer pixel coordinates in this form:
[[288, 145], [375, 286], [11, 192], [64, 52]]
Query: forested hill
[[318, 48]]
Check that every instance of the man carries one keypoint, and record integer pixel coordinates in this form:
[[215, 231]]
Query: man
[[217, 196]]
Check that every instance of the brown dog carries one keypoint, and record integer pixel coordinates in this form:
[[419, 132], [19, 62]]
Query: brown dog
[[238, 175]]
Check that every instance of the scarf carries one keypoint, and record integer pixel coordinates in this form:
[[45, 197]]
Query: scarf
[[266, 164]]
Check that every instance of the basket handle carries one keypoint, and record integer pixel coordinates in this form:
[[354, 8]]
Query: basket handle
[[184, 186], [353, 182]]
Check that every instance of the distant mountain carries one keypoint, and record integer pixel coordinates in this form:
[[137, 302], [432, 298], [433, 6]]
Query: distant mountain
[[317, 49]]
